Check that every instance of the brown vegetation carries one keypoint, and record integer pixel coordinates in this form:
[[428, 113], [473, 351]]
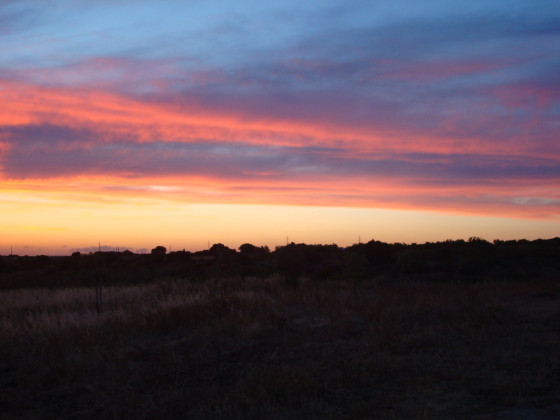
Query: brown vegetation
[[271, 348]]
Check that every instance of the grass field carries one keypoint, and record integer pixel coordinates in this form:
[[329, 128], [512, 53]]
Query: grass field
[[254, 348]]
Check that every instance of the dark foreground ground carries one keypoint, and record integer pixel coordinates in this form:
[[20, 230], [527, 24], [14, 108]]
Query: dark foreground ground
[[276, 349]]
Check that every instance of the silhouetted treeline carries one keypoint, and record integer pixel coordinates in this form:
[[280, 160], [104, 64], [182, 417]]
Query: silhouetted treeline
[[459, 260]]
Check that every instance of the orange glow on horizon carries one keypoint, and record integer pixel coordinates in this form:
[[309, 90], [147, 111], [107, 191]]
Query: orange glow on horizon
[[61, 226]]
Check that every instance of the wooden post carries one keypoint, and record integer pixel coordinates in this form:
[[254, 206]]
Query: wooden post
[[99, 293]]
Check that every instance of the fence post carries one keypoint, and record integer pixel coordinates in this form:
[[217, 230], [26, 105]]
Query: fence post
[[99, 293]]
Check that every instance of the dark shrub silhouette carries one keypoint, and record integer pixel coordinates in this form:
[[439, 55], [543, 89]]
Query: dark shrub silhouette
[[452, 260], [159, 250]]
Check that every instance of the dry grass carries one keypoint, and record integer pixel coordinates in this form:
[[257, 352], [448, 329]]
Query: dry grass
[[269, 349]]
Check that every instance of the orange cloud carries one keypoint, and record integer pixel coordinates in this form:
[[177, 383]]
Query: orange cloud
[[116, 116]]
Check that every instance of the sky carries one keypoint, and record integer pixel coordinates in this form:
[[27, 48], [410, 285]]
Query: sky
[[131, 124]]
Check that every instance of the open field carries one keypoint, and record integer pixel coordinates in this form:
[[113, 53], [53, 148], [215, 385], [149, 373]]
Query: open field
[[268, 348]]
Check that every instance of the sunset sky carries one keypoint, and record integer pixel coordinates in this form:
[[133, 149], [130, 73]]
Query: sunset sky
[[181, 123]]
